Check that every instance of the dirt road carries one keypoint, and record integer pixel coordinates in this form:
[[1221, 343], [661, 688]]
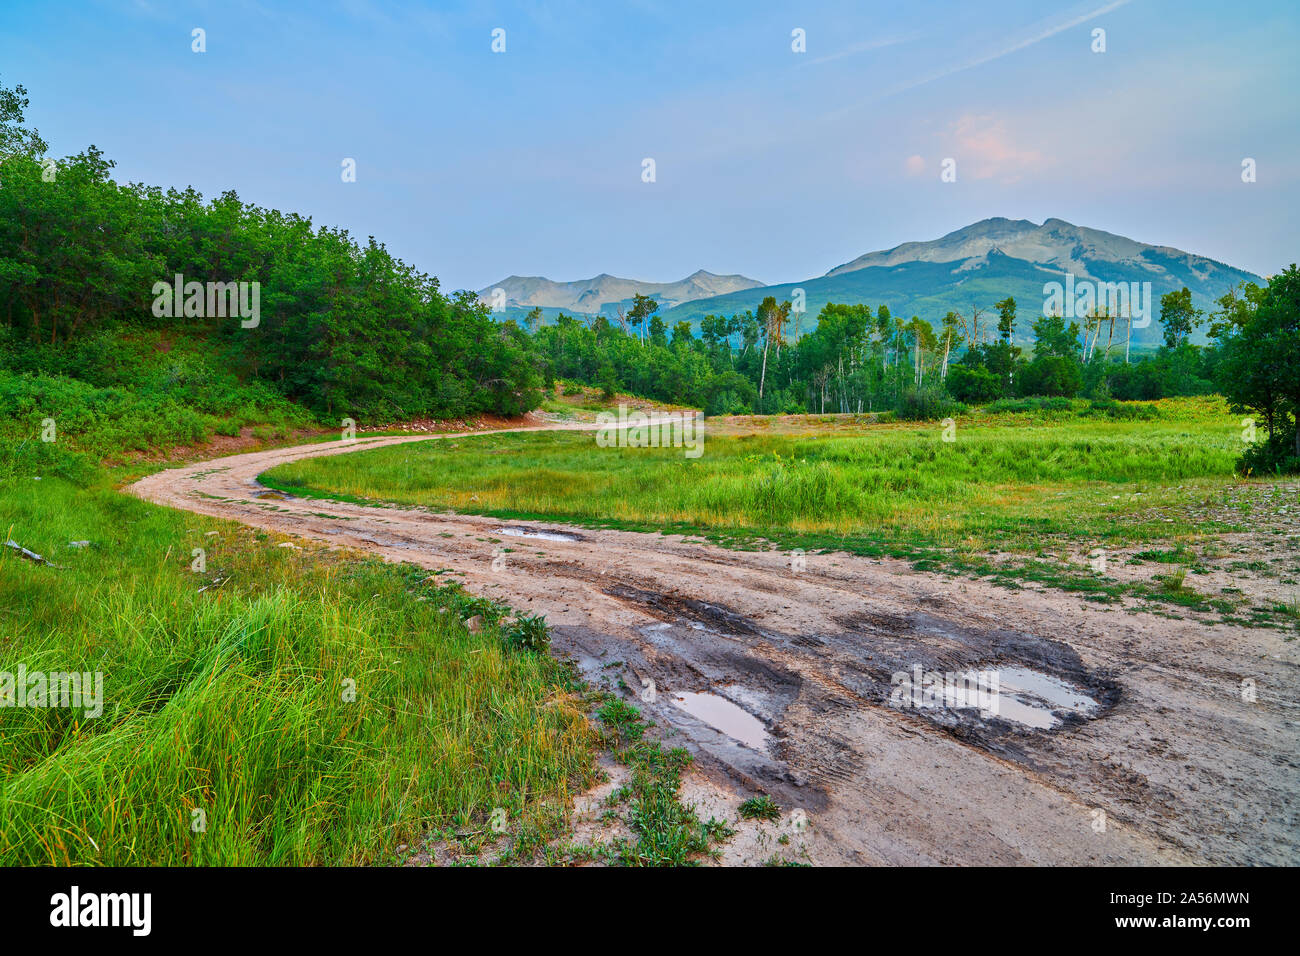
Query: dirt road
[[1112, 737]]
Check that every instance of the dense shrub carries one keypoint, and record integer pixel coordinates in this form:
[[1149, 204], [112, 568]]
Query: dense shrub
[[926, 405], [1110, 408], [1051, 375], [1030, 405], [1275, 455], [973, 385], [179, 400], [30, 459]]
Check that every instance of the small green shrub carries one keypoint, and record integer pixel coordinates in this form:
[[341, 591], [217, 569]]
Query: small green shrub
[[973, 385], [760, 808], [528, 632]]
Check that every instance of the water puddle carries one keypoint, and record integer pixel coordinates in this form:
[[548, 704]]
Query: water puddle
[[1052, 691], [721, 714], [530, 533], [1017, 694]]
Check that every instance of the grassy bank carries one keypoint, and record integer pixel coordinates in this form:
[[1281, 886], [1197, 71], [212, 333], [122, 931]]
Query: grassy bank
[[117, 398], [301, 709]]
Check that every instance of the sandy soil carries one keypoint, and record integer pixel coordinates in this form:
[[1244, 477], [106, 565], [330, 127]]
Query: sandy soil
[[1175, 763]]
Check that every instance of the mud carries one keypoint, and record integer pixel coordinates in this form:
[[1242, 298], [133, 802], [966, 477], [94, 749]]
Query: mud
[[1151, 752]]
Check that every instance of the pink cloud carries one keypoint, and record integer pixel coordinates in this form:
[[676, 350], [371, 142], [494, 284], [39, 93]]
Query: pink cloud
[[985, 150]]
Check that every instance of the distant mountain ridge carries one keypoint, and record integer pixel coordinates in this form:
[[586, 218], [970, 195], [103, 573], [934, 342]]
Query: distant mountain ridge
[[603, 293], [976, 265]]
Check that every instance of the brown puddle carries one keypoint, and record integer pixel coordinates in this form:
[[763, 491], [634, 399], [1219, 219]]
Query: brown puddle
[[722, 715]]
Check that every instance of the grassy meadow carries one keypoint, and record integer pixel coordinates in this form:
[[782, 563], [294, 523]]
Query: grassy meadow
[[1011, 479]]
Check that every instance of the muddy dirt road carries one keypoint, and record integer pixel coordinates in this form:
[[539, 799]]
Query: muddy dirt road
[[1113, 736]]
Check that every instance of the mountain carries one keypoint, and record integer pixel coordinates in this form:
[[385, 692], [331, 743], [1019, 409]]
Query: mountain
[[985, 262], [604, 293]]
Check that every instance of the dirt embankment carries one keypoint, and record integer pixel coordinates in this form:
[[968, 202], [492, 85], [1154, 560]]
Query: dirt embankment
[[1114, 737]]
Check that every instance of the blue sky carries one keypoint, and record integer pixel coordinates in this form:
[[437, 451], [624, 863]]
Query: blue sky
[[475, 165]]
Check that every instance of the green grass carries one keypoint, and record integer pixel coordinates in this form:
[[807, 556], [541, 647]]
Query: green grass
[[233, 700], [1007, 482]]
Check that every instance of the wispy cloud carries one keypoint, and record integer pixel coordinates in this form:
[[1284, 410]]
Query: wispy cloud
[[1035, 33], [984, 148], [866, 47]]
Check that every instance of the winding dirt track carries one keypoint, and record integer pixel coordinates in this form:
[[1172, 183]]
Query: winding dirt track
[[1173, 767]]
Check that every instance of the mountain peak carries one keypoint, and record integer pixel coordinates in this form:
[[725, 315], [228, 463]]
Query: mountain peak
[[1058, 244], [996, 224], [604, 292], [988, 260], [968, 242]]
